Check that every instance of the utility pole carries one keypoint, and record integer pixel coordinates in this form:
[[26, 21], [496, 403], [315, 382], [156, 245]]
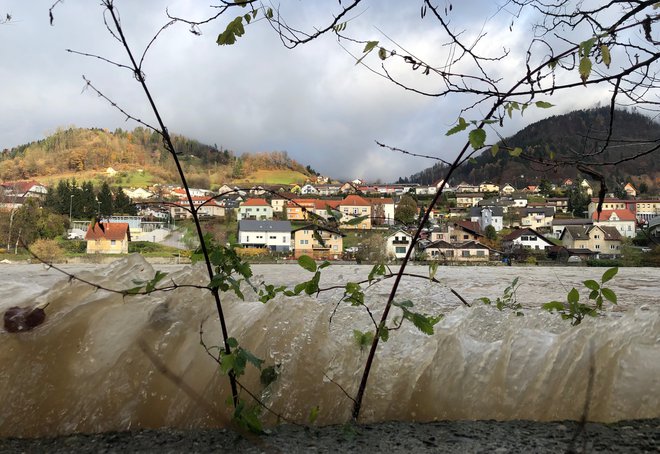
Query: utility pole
[[70, 207]]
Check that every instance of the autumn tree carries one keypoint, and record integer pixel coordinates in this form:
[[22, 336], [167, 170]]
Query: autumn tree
[[406, 210]]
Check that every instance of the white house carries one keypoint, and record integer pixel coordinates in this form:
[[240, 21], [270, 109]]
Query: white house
[[623, 220], [525, 239], [486, 216], [308, 189], [273, 235], [507, 189], [257, 209], [398, 243], [138, 194]]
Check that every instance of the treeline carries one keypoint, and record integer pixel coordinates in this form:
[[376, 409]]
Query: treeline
[[575, 135], [86, 202]]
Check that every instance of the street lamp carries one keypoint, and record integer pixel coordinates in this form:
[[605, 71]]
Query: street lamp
[[70, 207]]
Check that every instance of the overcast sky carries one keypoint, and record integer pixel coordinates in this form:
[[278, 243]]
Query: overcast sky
[[313, 102]]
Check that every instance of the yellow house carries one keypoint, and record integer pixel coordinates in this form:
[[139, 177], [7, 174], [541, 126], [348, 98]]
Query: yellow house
[[352, 207], [598, 239], [318, 242], [108, 238]]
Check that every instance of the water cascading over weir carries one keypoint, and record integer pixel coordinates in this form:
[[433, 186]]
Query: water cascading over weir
[[84, 370]]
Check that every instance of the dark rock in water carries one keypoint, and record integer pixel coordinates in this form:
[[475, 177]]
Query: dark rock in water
[[18, 319]]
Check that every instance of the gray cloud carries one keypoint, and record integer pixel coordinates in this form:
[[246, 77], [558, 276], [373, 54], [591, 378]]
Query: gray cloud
[[313, 102]]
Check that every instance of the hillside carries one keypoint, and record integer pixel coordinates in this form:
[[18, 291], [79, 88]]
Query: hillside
[[564, 137], [141, 159]]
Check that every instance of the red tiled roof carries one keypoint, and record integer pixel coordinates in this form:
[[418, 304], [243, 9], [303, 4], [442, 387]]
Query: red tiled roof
[[110, 231], [623, 215], [255, 203], [355, 200]]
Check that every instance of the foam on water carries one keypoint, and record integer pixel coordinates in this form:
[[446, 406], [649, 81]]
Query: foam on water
[[83, 369]]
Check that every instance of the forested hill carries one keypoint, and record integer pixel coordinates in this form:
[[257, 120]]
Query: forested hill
[[85, 151], [575, 134]]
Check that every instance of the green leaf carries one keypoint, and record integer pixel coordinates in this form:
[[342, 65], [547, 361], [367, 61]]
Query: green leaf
[[402, 304], [371, 45], [312, 286], [473, 161], [515, 152], [609, 294], [553, 306], [585, 47], [384, 333], [433, 269], [363, 339], [477, 138], [543, 105], [307, 263], [573, 296], [325, 264], [299, 288], [605, 53], [269, 13], [356, 221], [313, 414], [591, 284], [232, 342], [422, 322], [377, 270], [594, 294], [461, 126], [247, 355], [585, 68], [367, 49], [382, 53], [495, 149], [609, 274], [234, 29]]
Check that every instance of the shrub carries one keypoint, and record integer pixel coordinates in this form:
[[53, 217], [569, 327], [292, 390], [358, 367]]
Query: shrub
[[47, 250]]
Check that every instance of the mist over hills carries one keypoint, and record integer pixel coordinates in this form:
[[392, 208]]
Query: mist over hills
[[576, 135]]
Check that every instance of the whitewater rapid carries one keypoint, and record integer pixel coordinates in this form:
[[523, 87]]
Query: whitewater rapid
[[84, 370]]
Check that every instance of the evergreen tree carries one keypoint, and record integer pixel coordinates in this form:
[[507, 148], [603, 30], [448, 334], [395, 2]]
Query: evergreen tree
[[104, 197], [123, 204], [88, 204]]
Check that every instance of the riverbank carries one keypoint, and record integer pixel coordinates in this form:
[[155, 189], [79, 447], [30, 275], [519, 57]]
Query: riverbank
[[639, 436]]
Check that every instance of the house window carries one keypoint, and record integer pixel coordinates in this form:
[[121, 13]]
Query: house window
[[612, 246], [400, 250], [481, 253], [597, 237], [465, 253], [283, 239], [598, 246], [272, 237], [449, 253], [113, 242], [466, 237], [364, 210]]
